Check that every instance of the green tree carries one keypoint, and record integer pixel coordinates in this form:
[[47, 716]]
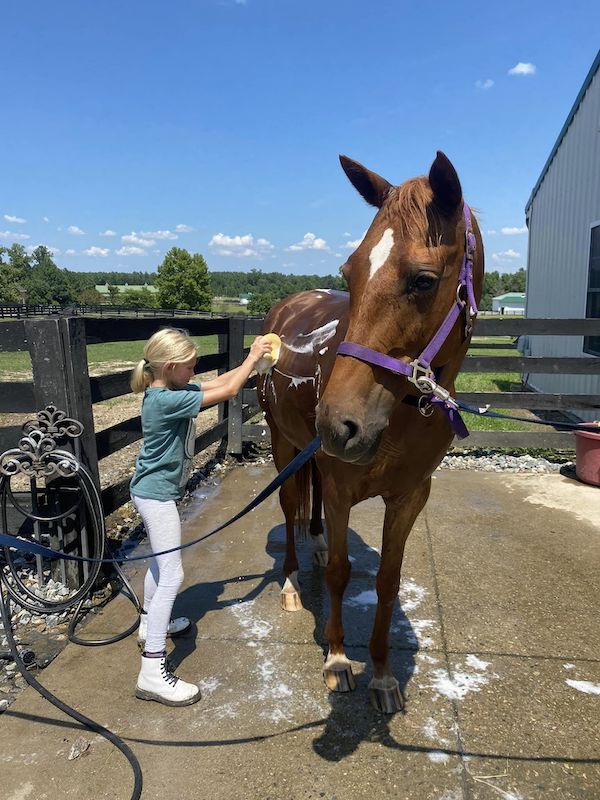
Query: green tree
[[9, 280], [143, 298], [46, 283], [260, 304], [113, 295], [183, 281], [90, 297]]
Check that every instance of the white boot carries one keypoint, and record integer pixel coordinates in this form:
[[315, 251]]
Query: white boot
[[176, 628], [157, 681]]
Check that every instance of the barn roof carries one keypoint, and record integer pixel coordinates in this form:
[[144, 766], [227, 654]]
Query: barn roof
[[586, 84]]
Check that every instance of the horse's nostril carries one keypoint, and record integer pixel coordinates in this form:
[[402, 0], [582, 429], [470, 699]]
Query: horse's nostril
[[350, 428]]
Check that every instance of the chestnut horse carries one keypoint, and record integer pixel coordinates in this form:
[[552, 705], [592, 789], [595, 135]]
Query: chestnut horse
[[407, 292]]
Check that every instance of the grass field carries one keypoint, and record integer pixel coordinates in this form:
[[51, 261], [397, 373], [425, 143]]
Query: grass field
[[17, 366]]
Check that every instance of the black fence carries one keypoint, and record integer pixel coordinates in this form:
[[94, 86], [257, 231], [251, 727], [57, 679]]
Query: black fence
[[57, 347]]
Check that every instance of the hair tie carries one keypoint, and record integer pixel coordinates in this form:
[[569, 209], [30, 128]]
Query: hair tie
[[146, 362]]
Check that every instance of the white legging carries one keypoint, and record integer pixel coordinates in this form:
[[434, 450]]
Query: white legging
[[165, 574]]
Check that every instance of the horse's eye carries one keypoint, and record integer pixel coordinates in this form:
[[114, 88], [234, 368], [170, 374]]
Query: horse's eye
[[423, 282]]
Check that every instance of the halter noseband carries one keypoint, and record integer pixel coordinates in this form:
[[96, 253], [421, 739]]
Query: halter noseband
[[419, 371]]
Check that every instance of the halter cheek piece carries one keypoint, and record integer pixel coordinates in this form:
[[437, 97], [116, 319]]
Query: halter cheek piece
[[419, 371]]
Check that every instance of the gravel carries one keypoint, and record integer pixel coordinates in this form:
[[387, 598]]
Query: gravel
[[496, 462]]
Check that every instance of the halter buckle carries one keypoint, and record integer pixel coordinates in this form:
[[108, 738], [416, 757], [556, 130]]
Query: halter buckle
[[421, 381]]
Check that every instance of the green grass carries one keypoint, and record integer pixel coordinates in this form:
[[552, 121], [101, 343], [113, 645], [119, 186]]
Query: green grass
[[127, 352], [109, 352], [492, 382]]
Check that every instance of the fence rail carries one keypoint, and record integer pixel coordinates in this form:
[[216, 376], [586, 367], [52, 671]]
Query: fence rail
[[57, 346]]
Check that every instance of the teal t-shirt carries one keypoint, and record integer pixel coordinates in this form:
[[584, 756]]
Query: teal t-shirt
[[168, 425]]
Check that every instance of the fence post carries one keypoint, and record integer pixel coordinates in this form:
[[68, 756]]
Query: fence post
[[234, 406], [222, 347]]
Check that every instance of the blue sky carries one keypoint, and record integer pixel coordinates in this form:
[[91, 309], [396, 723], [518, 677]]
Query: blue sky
[[215, 125]]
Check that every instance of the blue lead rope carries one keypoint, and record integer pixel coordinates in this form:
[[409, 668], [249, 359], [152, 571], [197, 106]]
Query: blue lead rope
[[568, 426], [295, 464]]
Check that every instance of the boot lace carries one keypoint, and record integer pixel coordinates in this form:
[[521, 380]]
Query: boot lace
[[167, 672]]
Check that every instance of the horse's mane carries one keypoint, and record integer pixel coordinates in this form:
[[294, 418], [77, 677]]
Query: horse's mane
[[409, 206]]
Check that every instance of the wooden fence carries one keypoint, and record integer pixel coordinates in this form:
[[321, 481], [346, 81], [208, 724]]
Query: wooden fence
[[107, 310], [57, 347]]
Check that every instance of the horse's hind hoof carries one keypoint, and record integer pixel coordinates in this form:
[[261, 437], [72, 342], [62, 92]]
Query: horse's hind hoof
[[385, 695], [290, 601], [320, 551], [290, 594], [338, 675]]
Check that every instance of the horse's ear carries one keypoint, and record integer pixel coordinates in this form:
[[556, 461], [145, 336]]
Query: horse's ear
[[447, 193], [371, 186]]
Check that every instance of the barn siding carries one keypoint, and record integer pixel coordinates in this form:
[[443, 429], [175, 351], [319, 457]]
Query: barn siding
[[560, 215]]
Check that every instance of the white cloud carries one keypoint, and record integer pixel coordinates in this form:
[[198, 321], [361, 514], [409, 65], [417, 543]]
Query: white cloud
[[97, 251], [17, 220], [513, 231], [346, 234], [130, 251], [353, 244], [46, 219], [18, 237], [159, 234], [181, 228], [309, 242], [485, 84], [505, 254], [133, 238], [75, 230], [265, 244], [523, 69], [70, 252], [492, 233], [108, 232], [52, 250], [245, 246]]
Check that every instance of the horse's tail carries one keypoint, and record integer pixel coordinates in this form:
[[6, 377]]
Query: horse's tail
[[303, 507]]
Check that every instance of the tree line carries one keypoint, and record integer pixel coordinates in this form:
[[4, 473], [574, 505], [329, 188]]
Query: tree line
[[183, 281]]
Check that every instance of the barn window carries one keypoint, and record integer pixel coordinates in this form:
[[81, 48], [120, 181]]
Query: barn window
[[591, 344]]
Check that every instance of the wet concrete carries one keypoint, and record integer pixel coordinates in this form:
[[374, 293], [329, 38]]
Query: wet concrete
[[495, 641]]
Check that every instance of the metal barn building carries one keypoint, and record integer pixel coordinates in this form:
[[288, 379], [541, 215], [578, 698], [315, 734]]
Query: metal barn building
[[563, 264]]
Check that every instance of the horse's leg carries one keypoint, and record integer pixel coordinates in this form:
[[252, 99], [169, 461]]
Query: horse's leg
[[283, 453], [401, 512], [337, 670], [316, 523]]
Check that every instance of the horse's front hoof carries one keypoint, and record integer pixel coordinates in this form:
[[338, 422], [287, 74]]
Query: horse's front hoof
[[385, 695], [290, 594], [338, 676]]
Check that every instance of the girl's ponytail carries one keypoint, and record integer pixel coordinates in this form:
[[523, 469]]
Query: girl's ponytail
[[141, 377]]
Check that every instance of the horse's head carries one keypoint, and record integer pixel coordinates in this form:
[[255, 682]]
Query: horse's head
[[403, 280]]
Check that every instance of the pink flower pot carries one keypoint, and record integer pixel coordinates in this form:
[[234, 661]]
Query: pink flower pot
[[587, 449]]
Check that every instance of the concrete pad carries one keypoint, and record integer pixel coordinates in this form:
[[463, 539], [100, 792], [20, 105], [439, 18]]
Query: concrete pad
[[514, 578], [489, 711]]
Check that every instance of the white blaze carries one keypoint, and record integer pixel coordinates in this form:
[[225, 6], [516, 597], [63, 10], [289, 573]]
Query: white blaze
[[379, 254]]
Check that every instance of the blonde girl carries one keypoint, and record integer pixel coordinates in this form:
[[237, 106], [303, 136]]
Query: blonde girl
[[169, 407]]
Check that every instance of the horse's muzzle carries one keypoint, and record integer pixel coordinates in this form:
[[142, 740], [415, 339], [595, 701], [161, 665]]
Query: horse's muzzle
[[346, 437]]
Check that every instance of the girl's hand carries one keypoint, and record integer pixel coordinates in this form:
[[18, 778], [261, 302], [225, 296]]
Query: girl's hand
[[260, 347]]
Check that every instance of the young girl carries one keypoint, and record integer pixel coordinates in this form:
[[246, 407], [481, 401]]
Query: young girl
[[169, 406]]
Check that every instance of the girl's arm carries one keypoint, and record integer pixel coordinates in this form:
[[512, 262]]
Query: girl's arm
[[218, 382], [229, 384]]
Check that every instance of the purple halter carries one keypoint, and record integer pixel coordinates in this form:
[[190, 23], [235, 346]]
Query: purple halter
[[419, 371]]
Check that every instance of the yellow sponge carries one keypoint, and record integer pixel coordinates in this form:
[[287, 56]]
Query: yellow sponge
[[269, 360]]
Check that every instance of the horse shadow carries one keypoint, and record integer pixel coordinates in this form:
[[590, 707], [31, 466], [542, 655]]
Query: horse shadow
[[351, 719]]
